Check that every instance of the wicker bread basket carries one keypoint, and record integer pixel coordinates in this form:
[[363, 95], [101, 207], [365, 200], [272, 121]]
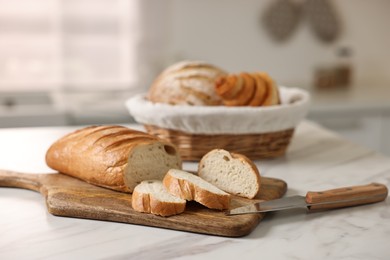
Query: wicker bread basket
[[257, 132]]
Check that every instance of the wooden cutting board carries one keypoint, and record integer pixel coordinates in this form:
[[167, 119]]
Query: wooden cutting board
[[70, 197]]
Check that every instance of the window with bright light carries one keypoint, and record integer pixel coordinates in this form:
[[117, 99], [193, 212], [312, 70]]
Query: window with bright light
[[75, 45]]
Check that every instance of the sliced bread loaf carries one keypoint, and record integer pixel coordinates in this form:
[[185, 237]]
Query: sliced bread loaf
[[231, 172], [112, 156], [247, 89], [191, 187], [152, 197]]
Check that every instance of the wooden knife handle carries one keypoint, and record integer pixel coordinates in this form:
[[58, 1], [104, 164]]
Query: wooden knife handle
[[19, 180], [346, 197]]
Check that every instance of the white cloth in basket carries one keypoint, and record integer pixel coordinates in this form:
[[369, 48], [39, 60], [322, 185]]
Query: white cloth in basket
[[223, 119]]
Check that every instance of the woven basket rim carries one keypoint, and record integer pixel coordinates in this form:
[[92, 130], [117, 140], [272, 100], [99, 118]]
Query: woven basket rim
[[223, 119]]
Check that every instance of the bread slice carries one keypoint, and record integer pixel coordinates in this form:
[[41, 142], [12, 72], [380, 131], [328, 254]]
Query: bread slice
[[191, 187], [272, 97], [113, 156], [231, 172], [152, 197], [246, 93], [227, 88], [261, 91]]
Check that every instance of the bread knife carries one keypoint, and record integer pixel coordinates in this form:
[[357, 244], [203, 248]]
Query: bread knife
[[320, 200]]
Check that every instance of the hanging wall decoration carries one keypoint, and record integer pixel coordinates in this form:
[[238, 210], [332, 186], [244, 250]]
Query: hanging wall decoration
[[282, 17]]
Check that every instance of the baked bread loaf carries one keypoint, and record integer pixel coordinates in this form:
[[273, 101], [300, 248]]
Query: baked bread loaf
[[187, 83], [247, 89], [113, 157], [152, 197], [231, 172], [188, 186]]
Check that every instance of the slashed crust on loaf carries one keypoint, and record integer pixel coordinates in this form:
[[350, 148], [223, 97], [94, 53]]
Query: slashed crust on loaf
[[231, 172], [113, 157], [186, 83], [188, 186], [152, 197]]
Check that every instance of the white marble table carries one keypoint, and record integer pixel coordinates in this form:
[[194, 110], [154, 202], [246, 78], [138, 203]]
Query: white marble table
[[317, 159]]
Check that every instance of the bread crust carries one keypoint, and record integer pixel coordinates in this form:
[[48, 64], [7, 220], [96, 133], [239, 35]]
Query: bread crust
[[189, 191], [254, 168], [147, 203], [99, 154]]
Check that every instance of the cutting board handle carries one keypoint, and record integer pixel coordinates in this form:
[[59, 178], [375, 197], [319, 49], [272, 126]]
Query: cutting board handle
[[20, 180]]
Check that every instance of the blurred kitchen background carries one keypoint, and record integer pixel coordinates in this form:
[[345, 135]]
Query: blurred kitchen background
[[75, 62]]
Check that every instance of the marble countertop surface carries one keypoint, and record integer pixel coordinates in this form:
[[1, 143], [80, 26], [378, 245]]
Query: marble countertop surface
[[317, 159]]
